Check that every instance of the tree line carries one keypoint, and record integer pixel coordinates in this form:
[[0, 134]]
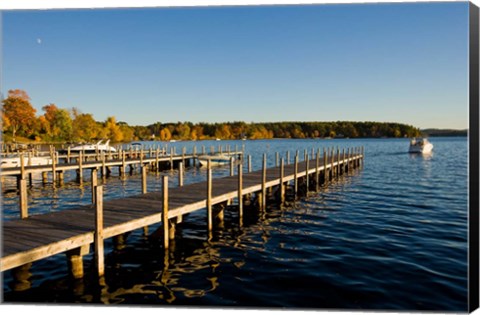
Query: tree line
[[20, 119]]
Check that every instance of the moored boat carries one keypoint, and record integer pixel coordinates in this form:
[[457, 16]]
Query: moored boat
[[94, 148], [28, 161], [420, 146], [215, 160]]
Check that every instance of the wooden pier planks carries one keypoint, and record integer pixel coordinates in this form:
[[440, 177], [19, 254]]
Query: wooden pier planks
[[45, 235]]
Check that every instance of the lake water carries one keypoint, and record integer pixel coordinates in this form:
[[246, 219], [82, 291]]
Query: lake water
[[390, 236]]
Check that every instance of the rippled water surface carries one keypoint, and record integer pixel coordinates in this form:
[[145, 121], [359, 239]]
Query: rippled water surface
[[392, 235]]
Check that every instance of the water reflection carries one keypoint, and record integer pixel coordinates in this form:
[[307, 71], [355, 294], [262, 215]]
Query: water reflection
[[424, 156]]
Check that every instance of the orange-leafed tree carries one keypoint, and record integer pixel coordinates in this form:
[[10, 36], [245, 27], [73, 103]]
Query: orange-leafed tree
[[165, 134], [18, 113], [48, 121]]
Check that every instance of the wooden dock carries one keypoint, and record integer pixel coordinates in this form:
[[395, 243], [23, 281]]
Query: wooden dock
[[74, 231], [156, 159]]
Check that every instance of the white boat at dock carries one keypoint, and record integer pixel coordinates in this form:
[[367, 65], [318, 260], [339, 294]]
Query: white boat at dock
[[420, 146], [215, 160], [94, 148], [28, 161]]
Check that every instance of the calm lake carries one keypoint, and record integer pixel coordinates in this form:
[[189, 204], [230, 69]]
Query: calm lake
[[391, 235]]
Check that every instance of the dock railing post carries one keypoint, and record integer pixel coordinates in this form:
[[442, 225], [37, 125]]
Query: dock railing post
[[104, 167], [179, 219], [94, 184], [144, 191], [232, 172], [295, 177], [249, 163], [144, 179], [307, 167], [54, 168], [277, 159], [124, 167], [166, 232], [288, 157], [347, 169], [332, 155], [98, 237], [338, 164], [180, 174], [325, 161], [23, 199], [171, 158], [264, 182], [358, 156], [282, 186], [30, 175], [209, 199], [22, 166], [240, 191], [363, 154]]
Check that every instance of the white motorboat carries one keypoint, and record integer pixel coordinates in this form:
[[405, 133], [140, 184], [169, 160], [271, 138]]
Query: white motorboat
[[94, 148], [420, 146], [28, 161], [215, 160]]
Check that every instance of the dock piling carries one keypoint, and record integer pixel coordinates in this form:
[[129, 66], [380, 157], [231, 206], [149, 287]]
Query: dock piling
[[80, 167], [94, 184], [144, 179], [282, 186], [240, 192], [209, 198], [307, 181], [165, 223], [23, 199], [99, 246], [75, 261], [295, 176], [180, 174], [264, 183]]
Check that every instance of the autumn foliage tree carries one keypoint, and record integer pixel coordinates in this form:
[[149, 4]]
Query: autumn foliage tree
[[18, 113], [113, 130], [84, 127]]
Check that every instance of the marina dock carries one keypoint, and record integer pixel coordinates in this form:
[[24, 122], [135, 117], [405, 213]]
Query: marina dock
[[158, 159], [74, 232]]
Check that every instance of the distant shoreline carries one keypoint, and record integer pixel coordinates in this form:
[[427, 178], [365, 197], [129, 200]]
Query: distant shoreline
[[459, 134], [445, 132]]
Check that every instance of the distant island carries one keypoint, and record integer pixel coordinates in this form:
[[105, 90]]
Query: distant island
[[21, 123]]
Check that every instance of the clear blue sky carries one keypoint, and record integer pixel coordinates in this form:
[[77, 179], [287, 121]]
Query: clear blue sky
[[405, 62]]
